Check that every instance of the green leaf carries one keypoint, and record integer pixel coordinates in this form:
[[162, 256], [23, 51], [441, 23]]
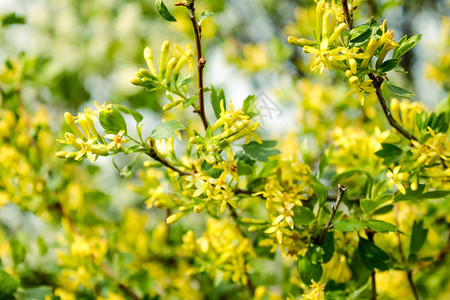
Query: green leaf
[[400, 92], [418, 237], [216, 98], [190, 101], [112, 121], [129, 111], [381, 226], [360, 33], [166, 130], [309, 271], [344, 175], [303, 216], [328, 246], [406, 45], [369, 205], [324, 161], [372, 256], [8, 285], [18, 251], [348, 225], [43, 248], [250, 107], [203, 16], [128, 170], [188, 79], [383, 210], [388, 65], [164, 12], [11, 19], [390, 153], [261, 151], [319, 189], [420, 195]]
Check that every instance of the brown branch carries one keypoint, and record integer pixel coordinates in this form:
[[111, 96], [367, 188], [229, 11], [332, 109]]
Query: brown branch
[[348, 17], [370, 235], [334, 208], [376, 82], [127, 291], [201, 61], [152, 153], [403, 257]]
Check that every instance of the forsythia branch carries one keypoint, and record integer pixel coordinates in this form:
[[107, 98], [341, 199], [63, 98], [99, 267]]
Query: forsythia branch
[[376, 82], [201, 61], [334, 208]]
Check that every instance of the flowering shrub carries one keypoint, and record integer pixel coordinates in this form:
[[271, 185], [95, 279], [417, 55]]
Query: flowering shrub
[[337, 223]]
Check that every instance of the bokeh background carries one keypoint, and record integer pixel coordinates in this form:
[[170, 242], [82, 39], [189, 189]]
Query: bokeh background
[[62, 55]]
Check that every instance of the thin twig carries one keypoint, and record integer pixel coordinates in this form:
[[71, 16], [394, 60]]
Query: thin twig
[[376, 82], [152, 153], [334, 208], [370, 235], [201, 61], [403, 257], [348, 17], [127, 291]]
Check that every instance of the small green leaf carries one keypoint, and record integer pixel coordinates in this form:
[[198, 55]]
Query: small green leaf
[[348, 225], [129, 111], [188, 79], [400, 92], [8, 285], [11, 19], [166, 130], [388, 65], [164, 12], [344, 175], [319, 189], [261, 151], [203, 16], [372, 256], [418, 237], [190, 101], [390, 153], [112, 121], [406, 45], [128, 170], [360, 33], [216, 99], [381, 226], [250, 107], [303, 216], [369, 205], [309, 271], [18, 251]]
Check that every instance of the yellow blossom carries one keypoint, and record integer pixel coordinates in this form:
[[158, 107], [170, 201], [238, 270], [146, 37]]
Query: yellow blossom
[[395, 178]]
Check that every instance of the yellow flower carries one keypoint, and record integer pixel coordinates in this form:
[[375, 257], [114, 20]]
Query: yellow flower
[[360, 88], [286, 214], [316, 292], [117, 140], [395, 178], [229, 167], [90, 149]]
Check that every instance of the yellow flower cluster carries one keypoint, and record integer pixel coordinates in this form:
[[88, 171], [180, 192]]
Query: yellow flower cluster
[[332, 50], [167, 67], [23, 137], [222, 247], [87, 141], [234, 125], [435, 148], [281, 199], [316, 292], [405, 113], [355, 147]]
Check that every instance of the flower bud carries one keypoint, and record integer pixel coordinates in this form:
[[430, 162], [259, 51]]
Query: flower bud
[[337, 32], [61, 154], [148, 56], [175, 217], [170, 67], [164, 52], [135, 81], [70, 120]]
